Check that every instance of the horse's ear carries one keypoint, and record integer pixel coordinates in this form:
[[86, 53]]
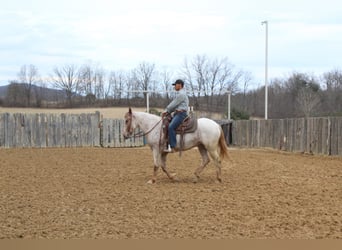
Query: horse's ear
[[130, 110]]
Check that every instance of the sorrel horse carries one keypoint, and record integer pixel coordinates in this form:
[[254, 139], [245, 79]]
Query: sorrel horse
[[208, 138]]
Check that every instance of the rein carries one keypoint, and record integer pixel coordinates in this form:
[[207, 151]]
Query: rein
[[141, 134]]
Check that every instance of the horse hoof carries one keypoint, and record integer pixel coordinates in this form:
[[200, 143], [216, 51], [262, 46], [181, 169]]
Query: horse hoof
[[175, 179], [151, 181], [195, 180]]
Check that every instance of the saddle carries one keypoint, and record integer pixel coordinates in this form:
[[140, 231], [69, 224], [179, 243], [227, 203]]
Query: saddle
[[189, 125]]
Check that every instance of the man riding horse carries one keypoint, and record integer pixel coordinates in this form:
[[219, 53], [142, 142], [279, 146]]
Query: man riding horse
[[179, 106]]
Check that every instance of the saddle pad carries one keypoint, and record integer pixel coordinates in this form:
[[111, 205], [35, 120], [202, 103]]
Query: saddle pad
[[189, 125]]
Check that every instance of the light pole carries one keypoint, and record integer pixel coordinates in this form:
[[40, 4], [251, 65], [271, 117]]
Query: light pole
[[266, 66], [228, 101]]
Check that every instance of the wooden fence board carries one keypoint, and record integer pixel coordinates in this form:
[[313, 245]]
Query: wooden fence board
[[2, 129], [336, 136], [339, 136]]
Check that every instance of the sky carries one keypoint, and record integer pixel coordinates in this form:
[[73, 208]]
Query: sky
[[303, 36]]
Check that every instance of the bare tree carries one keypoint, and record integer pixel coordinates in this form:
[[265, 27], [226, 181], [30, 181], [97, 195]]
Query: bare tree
[[117, 80], [67, 79], [246, 79], [39, 93], [16, 94], [86, 84], [143, 77], [307, 99], [188, 75], [99, 81], [210, 77], [332, 82], [92, 82], [166, 77], [28, 76]]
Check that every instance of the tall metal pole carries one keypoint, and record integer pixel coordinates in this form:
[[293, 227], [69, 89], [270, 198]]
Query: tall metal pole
[[228, 105], [148, 102], [266, 68]]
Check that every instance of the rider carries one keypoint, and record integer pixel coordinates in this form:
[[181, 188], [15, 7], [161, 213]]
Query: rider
[[179, 106]]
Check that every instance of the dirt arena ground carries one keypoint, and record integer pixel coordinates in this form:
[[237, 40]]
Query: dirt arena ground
[[101, 193]]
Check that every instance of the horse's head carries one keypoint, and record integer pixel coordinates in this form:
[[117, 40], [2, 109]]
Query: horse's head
[[129, 124]]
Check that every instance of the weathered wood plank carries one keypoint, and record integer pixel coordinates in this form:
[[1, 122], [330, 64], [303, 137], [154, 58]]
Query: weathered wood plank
[[2, 129]]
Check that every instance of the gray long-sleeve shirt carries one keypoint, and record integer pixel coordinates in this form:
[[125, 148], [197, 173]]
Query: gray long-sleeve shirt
[[181, 102]]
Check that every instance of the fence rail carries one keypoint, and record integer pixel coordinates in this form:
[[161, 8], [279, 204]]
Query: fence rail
[[310, 135]]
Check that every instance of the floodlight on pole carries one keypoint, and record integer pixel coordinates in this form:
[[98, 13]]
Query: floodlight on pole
[[266, 67]]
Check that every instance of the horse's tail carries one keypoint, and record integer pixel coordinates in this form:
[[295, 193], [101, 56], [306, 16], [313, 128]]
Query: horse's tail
[[223, 146]]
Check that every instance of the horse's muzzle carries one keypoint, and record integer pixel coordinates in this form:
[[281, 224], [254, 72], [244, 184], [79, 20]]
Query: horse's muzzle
[[126, 135]]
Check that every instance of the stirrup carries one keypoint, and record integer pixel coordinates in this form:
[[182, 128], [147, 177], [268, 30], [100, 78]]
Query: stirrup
[[169, 149]]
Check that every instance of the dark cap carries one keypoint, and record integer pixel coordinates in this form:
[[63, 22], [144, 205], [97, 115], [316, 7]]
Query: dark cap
[[179, 81]]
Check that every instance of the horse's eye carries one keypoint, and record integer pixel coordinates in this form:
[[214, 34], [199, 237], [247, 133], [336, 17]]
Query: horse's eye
[[126, 121]]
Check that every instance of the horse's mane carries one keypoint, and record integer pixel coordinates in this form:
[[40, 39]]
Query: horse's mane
[[148, 115]]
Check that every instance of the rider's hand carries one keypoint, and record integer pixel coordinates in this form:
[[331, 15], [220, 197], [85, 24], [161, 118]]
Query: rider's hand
[[164, 113]]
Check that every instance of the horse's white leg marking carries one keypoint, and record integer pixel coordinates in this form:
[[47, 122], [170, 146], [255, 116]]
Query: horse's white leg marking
[[205, 160]]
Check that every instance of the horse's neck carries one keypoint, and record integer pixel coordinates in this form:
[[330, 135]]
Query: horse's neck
[[146, 121]]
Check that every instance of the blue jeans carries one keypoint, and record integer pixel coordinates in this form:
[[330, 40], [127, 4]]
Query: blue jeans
[[175, 122]]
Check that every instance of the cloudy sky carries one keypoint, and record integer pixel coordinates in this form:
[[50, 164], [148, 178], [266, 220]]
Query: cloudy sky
[[304, 36]]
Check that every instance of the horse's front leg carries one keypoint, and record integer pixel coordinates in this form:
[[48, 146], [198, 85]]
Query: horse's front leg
[[159, 161], [154, 178], [163, 165]]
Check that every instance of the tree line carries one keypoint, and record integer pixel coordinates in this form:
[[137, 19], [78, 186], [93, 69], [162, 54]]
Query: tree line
[[208, 80]]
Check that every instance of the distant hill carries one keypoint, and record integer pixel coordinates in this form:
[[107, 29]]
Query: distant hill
[[48, 94]]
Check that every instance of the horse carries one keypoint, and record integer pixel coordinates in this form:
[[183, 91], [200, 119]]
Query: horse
[[208, 138]]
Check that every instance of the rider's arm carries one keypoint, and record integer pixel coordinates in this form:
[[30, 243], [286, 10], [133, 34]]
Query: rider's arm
[[180, 98]]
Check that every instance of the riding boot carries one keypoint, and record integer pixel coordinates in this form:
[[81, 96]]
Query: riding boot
[[169, 149]]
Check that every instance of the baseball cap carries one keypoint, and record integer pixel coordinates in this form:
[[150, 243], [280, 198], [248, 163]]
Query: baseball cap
[[179, 81]]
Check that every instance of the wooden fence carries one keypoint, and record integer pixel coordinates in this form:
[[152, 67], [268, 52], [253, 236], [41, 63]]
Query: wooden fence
[[24, 130], [310, 135], [49, 130]]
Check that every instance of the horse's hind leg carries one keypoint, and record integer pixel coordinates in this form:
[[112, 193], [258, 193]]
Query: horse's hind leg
[[216, 157], [205, 160]]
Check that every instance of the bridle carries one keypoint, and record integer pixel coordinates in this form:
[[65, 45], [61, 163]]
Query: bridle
[[129, 128]]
